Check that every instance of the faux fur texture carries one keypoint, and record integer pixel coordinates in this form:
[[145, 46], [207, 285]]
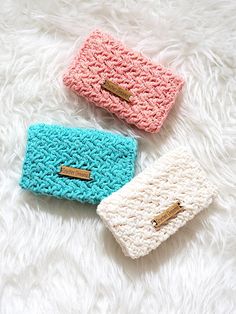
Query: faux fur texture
[[56, 256]]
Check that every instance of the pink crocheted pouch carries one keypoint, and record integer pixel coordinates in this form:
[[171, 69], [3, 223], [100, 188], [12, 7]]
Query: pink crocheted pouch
[[123, 82]]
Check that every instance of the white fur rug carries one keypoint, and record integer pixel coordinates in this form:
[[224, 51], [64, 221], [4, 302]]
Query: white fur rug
[[55, 255]]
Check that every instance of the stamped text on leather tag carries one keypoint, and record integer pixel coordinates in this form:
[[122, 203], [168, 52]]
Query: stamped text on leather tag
[[168, 214], [75, 173], [117, 90]]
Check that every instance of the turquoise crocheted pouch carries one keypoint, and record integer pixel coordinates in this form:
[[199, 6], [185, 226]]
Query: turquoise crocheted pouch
[[78, 164]]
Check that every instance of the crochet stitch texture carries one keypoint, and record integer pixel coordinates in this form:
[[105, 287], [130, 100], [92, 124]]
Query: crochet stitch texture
[[154, 88], [128, 213], [109, 157]]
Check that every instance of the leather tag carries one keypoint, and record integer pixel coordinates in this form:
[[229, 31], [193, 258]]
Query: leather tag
[[168, 214], [116, 90], [75, 173]]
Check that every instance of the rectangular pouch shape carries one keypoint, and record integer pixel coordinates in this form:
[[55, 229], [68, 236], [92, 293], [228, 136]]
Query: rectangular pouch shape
[[103, 161], [144, 212], [123, 82]]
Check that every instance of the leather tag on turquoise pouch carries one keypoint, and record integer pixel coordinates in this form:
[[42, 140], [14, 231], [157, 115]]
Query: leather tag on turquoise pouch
[[75, 173]]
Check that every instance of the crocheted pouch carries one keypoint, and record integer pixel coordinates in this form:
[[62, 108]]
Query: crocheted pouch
[[123, 82], [77, 164], [156, 203]]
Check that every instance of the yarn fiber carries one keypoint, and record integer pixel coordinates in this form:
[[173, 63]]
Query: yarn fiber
[[109, 157], [128, 213], [154, 87]]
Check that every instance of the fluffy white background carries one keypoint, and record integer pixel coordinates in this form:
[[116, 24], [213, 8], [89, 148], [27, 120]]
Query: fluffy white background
[[55, 255]]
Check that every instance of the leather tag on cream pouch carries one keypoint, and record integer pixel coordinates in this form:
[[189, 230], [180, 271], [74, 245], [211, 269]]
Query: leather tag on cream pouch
[[166, 215]]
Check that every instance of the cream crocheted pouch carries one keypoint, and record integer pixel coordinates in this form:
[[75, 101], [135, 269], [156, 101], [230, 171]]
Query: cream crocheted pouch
[[156, 203]]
